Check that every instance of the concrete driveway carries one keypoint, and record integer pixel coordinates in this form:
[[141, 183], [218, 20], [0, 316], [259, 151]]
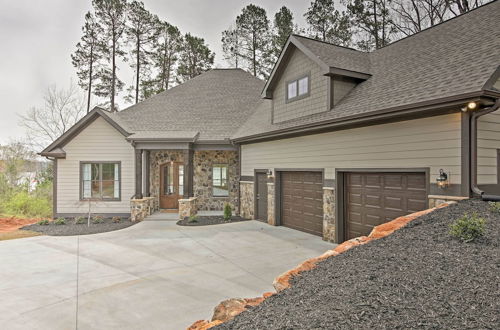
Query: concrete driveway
[[154, 275]]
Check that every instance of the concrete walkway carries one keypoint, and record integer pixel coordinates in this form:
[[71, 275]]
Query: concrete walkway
[[153, 275]]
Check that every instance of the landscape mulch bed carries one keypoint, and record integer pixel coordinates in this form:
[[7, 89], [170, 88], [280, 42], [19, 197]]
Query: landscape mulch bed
[[418, 277], [71, 228], [208, 220]]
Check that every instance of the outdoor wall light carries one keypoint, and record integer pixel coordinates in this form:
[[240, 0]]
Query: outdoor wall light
[[471, 105], [269, 173], [442, 180]]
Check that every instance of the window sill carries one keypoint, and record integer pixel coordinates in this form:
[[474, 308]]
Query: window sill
[[102, 200]]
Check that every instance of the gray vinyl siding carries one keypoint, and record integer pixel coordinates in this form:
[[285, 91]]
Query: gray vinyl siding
[[298, 66], [488, 142], [433, 142], [341, 86], [97, 142]]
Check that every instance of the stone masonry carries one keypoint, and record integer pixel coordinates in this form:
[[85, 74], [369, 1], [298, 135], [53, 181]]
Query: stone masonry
[[271, 219], [247, 199], [141, 208], [202, 180], [187, 207], [329, 214]]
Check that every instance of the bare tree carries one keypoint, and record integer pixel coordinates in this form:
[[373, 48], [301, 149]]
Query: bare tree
[[412, 16], [459, 7], [62, 109]]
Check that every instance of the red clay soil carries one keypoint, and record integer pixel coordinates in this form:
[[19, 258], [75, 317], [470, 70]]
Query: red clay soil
[[12, 224]]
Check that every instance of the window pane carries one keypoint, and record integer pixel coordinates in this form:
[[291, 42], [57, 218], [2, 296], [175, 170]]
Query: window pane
[[95, 171], [292, 89], [303, 85], [220, 186], [108, 188], [96, 189], [108, 171], [181, 179]]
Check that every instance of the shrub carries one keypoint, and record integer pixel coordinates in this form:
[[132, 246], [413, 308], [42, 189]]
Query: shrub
[[80, 220], [193, 219], [98, 219], [116, 219], [60, 221], [228, 213], [43, 222], [468, 228], [495, 207], [24, 204]]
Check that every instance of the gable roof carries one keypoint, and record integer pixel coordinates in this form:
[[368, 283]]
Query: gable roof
[[331, 58], [55, 149], [453, 60], [214, 104]]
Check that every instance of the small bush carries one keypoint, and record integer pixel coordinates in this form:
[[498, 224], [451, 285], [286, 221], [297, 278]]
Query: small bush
[[116, 219], [228, 212], [28, 205], [193, 219], [43, 222], [495, 207], [468, 228], [98, 219], [60, 221], [80, 220]]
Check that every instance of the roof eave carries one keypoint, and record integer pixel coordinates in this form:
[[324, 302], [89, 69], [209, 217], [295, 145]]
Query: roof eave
[[82, 124], [450, 104]]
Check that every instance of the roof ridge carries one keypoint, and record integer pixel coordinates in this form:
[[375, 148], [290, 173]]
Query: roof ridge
[[328, 43]]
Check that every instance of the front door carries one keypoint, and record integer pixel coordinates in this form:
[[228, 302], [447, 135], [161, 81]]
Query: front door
[[262, 197], [172, 185]]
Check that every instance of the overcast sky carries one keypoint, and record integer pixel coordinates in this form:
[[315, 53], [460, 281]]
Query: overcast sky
[[37, 38]]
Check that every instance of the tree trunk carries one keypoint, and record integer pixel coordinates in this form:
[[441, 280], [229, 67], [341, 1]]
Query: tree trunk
[[375, 24], [91, 67], [113, 78], [137, 69], [254, 60]]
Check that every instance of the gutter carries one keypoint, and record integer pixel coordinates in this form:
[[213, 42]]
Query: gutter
[[473, 155]]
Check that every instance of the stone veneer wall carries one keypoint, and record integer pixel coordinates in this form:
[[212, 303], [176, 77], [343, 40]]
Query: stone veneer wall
[[158, 158], [436, 200], [202, 181], [329, 225], [271, 196], [187, 207], [141, 208], [247, 199]]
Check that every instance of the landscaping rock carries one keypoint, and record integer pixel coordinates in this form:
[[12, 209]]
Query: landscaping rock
[[70, 228]]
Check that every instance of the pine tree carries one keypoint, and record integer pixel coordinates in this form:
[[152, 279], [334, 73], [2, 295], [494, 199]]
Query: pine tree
[[253, 29], [328, 24], [140, 31], [87, 55], [195, 58], [373, 18], [231, 46], [165, 55], [111, 16], [283, 27]]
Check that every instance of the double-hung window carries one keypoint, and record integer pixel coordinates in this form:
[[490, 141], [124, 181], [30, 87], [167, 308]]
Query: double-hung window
[[297, 89], [100, 180], [220, 186]]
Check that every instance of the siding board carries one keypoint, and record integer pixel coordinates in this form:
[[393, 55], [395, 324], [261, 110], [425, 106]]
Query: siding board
[[488, 141], [433, 142], [97, 142]]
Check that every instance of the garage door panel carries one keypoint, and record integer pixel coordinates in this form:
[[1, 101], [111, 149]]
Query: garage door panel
[[376, 198], [302, 201]]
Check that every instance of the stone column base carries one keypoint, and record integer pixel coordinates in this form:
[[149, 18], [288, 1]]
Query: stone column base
[[271, 218], [141, 208], [329, 226], [187, 207], [436, 200]]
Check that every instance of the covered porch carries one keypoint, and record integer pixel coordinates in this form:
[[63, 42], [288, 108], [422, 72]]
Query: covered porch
[[177, 173]]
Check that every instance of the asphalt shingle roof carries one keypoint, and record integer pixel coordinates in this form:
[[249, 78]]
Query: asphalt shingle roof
[[215, 104], [450, 59]]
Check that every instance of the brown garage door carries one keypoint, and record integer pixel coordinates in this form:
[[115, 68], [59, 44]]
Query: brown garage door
[[302, 201], [375, 198]]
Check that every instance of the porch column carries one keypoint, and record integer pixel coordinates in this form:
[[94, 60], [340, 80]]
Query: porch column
[[138, 173], [188, 172], [146, 173]]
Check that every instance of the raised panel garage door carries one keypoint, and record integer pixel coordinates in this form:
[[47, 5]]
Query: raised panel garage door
[[375, 198], [302, 201]]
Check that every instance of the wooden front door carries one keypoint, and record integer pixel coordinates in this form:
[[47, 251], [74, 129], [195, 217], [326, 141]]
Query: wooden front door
[[172, 185]]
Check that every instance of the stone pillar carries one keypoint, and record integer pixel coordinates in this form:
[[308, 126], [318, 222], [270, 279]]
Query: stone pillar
[[247, 199], [271, 196], [138, 174], [436, 200], [329, 227], [187, 207]]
